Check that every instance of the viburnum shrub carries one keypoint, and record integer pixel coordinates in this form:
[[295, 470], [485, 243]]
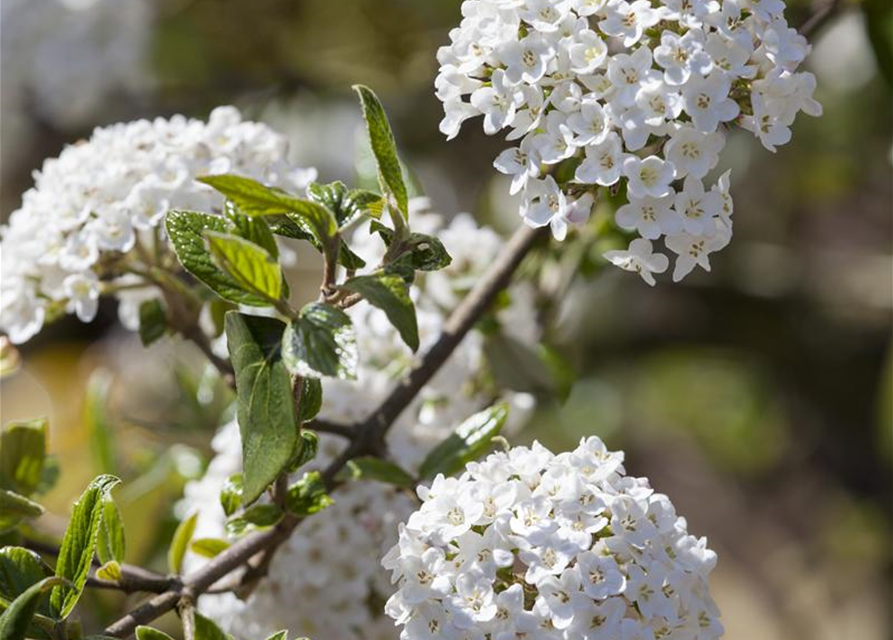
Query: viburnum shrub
[[360, 419]]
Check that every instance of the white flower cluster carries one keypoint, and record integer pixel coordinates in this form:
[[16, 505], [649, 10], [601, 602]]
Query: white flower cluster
[[326, 580], [635, 94], [527, 544], [94, 213]]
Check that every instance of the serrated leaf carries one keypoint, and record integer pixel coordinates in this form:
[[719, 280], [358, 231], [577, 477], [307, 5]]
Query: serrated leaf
[[467, 443], [205, 629], [148, 633], [19, 569], [253, 228], [311, 399], [321, 342], [384, 148], [255, 199], [14, 622], [265, 409], [390, 294], [186, 231], [153, 321], [369, 202], [79, 543], [15, 508], [258, 516], [427, 253], [231, 494], [308, 495], [209, 547], [180, 543], [22, 455], [110, 540], [250, 265], [308, 447], [373, 468]]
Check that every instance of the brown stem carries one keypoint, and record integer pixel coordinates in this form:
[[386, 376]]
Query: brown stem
[[368, 435]]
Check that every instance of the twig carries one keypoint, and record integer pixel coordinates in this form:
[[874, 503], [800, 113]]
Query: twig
[[368, 435], [820, 15]]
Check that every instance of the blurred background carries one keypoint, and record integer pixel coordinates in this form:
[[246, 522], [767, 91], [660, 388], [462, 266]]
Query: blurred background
[[759, 397]]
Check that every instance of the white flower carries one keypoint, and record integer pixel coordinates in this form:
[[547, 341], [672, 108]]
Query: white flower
[[90, 207], [694, 250], [615, 583], [651, 217], [649, 177], [693, 152], [697, 208], [639, 258], [601, 87], [497, 102]]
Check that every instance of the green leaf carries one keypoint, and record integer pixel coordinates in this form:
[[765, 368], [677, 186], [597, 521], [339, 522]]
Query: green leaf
[[311, 399], [19, 569], [22, 455], [390, 294], [110, 570], [308, 447], [253, 228], [467, 443], [265, 409], [153, 321], [14, 509], [205, 629], [79, 543], [250, 265], [180, 543], [308, 495], [369, 202], [148, 633], [258, 516], [209, 547], [338, 199], [96, 420], [255, 199], [321, 342], [110, 541], [186, 231], [10, 359], [231, 494], [279, 635], [426, 253], [372, 468], [14, 622], [384, 148]]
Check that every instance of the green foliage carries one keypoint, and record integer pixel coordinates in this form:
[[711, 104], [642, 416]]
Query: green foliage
[[250, 265], [110, 540], [79, 543], [469, 441], [22, 455], [255, 199], [258, 516], [231, 494], [308, 447], [308, 495], [20, 568], [266, 413], [186, 230], [390, 294], [14, 622], [311, 399], [207, 630], [321, 342], [372, 468], [209, 547], [148, 633], [180, 543], [153, 321], [279, 635], [253, 228], [384, 148], [111, 570], [15, 508]]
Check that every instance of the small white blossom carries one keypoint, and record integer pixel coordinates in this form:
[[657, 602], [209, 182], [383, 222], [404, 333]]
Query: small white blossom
[[640, 258]]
